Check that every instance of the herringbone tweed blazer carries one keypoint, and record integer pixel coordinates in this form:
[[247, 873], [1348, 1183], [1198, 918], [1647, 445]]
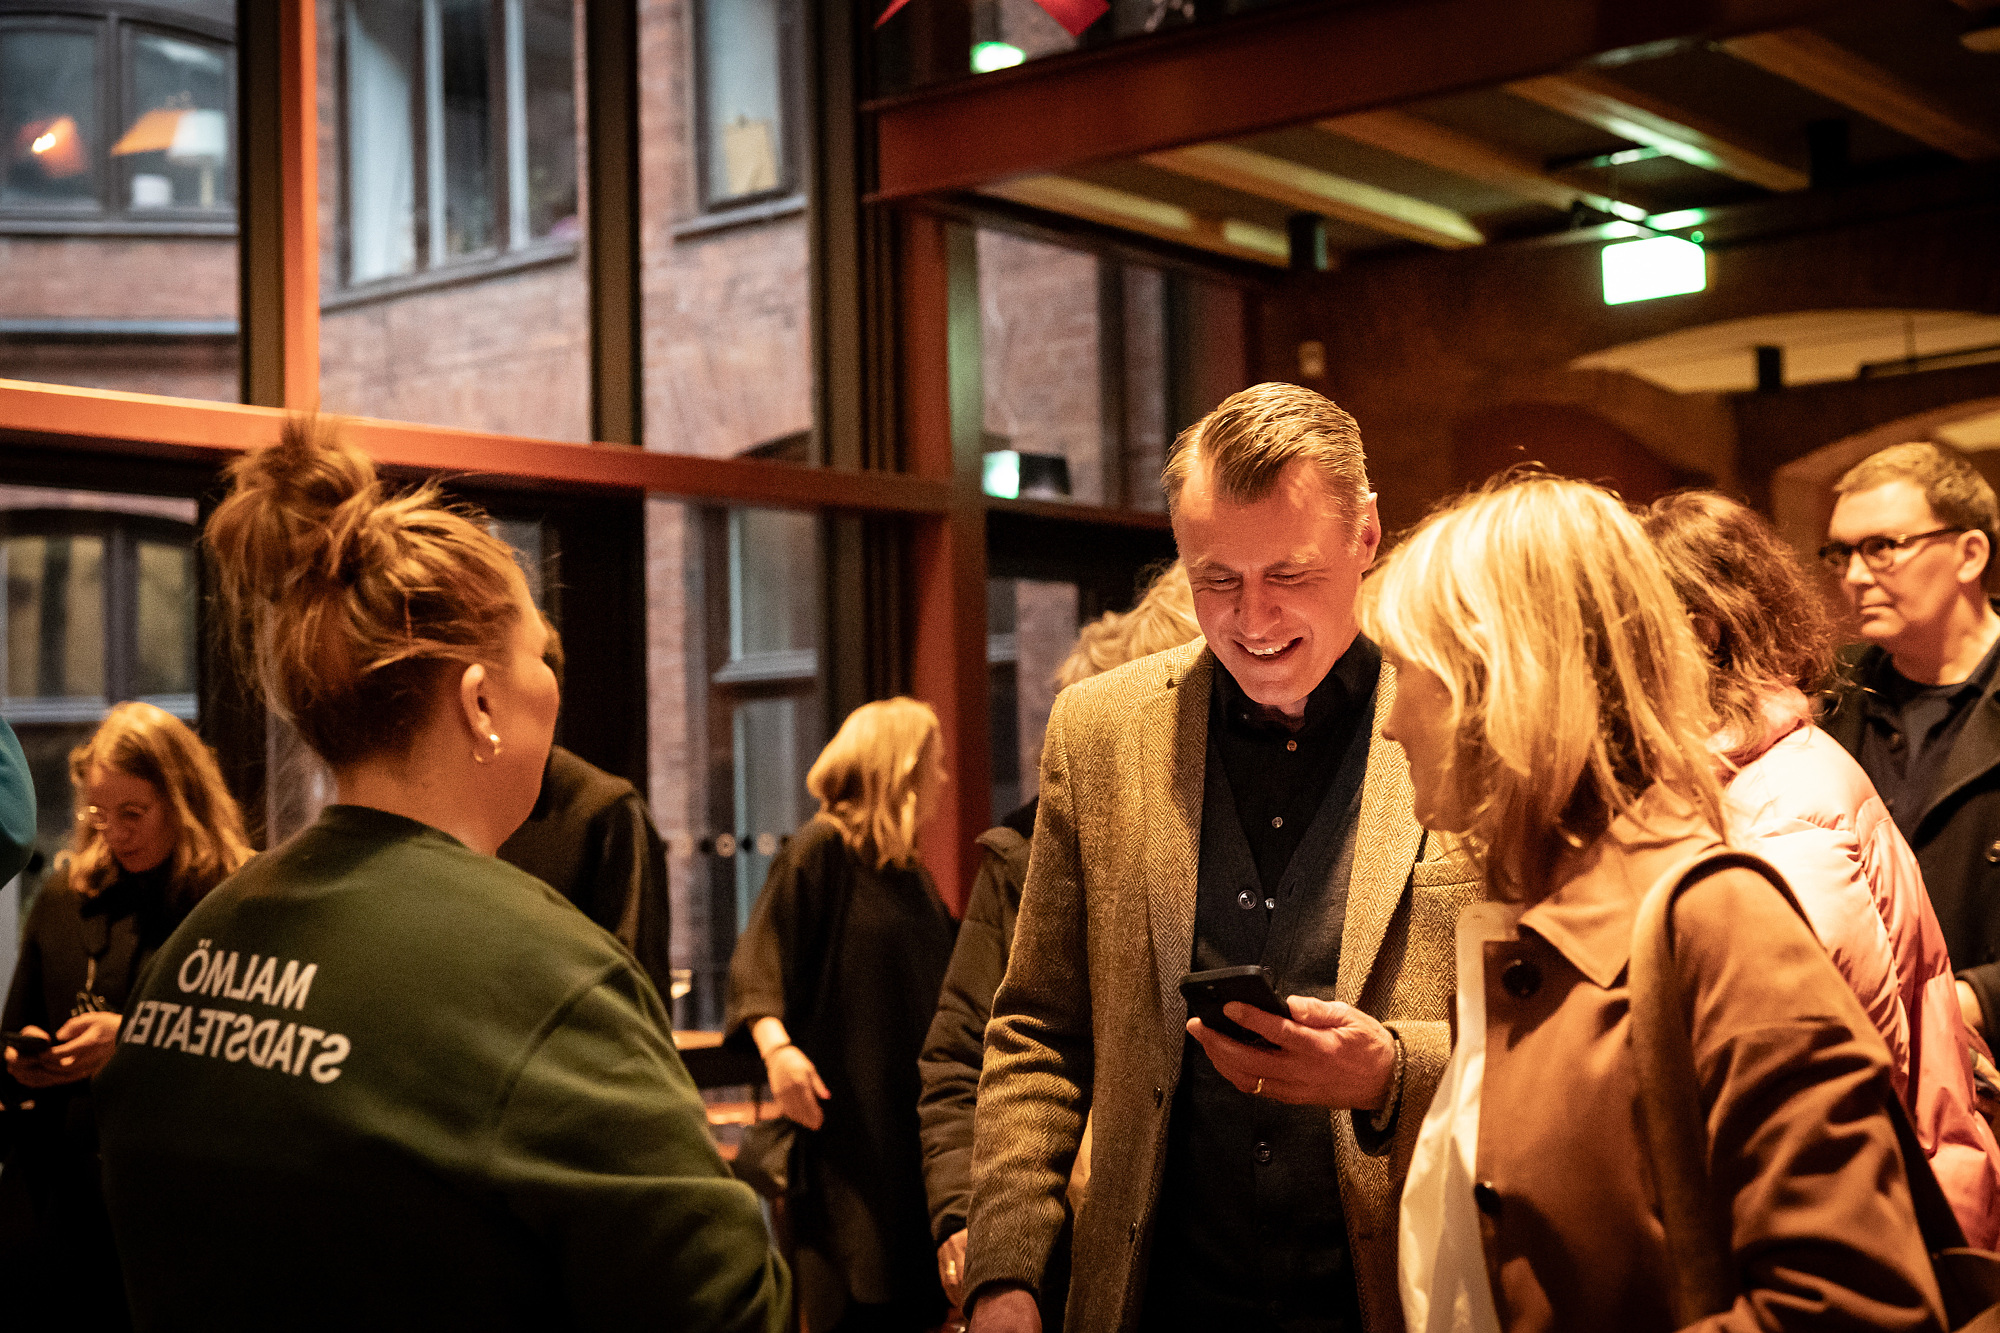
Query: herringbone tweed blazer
[[1090, 1021]]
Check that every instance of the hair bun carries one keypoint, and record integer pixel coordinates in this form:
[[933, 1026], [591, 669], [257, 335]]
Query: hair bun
[[291, 506]]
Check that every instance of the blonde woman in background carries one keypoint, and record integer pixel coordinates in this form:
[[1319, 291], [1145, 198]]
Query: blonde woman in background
[[835, 979], [955, 1049], [1553, 702], [156, 829]]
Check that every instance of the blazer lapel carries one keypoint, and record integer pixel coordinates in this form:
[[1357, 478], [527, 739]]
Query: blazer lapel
[[1386, 837], [1174, 755]]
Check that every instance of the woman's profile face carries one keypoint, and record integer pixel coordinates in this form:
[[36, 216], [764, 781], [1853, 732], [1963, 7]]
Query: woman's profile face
[[1420, 722], [131, 816], [931, 778]]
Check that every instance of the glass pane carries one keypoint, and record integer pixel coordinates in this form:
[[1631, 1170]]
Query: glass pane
[[1039, 349], [48, 113], [127, 278], [461, 120], [166, 633], [55, 617], [741, 81], [453, 291], [1031, 627], [548, 70], [736, 714], [176, 147], [725, 296], [381, 138]]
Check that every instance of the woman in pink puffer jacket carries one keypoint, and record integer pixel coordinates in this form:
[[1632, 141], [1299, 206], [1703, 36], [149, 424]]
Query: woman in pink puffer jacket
[[1799, 800]]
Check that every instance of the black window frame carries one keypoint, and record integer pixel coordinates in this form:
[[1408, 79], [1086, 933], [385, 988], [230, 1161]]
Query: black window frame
[[505, 252], [791, 111], [112, 26]]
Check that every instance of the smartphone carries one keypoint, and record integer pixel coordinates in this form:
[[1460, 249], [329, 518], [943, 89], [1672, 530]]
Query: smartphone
[[26, 1044], [1206, 993]]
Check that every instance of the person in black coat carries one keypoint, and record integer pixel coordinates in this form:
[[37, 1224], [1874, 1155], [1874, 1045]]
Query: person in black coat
[[1911, 539], [835, 980], [954, 1049], [156, 829]]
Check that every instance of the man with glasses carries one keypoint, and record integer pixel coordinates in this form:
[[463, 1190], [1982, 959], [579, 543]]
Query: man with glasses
[[1911, 538]]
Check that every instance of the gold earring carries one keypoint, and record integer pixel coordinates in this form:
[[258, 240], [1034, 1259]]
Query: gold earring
[[493, 737]]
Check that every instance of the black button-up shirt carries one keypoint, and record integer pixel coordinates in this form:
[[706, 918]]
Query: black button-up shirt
[[1910, 730]]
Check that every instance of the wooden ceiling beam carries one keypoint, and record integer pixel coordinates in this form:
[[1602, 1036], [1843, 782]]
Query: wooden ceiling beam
[[1802, 56], [1645, 119], [1448, 150], [1304, 188], [1263, 71], [1090, 202]]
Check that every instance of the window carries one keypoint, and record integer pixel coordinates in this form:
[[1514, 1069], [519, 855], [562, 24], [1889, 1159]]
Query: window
[[461, 125], [744, 153], [112, 118]]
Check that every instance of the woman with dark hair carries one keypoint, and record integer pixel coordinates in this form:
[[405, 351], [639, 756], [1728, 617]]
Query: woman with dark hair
[[1796, 798], [156, 829], [381, 1079]]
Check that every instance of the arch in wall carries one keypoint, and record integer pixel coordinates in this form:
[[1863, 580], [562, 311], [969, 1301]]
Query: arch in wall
[[1802, 490]]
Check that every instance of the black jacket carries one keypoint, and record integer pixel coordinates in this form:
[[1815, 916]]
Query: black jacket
[[1957, 835]]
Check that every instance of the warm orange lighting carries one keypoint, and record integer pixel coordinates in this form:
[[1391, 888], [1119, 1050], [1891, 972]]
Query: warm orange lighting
[[150, 133], [54, 145]]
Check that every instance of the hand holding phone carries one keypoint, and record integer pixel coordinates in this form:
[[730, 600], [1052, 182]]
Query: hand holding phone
[[1206, 993], [27, 1045]]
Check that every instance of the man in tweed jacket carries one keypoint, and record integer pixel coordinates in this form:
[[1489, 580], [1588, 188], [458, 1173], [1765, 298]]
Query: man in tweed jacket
[[1231, 1187]]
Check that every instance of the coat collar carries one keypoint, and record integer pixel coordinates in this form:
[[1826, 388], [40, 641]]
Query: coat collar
[[1173, 724], [1589, 916]]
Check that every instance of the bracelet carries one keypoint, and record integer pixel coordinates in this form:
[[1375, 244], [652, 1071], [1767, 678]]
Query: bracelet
[[1384, 1118]]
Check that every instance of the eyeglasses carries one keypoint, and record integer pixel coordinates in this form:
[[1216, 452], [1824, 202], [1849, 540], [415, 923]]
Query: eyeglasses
[[1878, 553], [125, 816]]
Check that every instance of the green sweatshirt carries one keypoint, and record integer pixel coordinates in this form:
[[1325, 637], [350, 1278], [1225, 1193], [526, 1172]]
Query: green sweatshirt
[[377, 1080]]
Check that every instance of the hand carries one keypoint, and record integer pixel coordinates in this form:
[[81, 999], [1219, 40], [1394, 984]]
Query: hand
[[1007, 1310], [951, 1266], [34, 1071], [1331, 1054], [797, 1086], [1969, 1010], [86, 1043]]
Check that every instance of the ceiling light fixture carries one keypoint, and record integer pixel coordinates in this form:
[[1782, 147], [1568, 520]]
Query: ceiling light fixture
[[989, 56], [1660, 266]]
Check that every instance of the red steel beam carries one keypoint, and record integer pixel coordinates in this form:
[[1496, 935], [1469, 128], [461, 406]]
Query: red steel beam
[[1263, 72], [105, 421]]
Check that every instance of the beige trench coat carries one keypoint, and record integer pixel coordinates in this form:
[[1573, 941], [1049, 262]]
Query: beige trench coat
[[1090, 1021]]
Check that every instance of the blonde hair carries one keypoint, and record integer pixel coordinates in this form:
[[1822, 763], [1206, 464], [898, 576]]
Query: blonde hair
[[1163, 619], [148, 743], [1254, 435], [349, 603], [867, 778], [1576, 682]]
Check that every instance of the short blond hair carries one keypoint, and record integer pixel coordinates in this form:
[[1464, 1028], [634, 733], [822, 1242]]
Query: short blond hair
[[1576, 681], [1163, 619], [1952, 487], [867, 778], [148, 743], [1253, 436]]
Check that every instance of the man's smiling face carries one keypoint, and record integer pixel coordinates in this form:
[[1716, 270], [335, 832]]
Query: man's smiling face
[[1274, 580]]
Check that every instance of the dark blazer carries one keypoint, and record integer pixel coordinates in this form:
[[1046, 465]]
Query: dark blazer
[[592, 840], [1096, 1026], [1957, 835]]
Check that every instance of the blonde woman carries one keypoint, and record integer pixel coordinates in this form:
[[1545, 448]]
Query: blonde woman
[[155, 831], [1553, 702], [836, 978], [955, 1049]]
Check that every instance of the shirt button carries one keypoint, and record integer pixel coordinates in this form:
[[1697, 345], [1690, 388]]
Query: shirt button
[[1277, 821], [1896, 741], [1291, 745], [1263, 1154], [1486, 1198], [1993, 854], [1246, 900], [1521, 978], [1270, 904]]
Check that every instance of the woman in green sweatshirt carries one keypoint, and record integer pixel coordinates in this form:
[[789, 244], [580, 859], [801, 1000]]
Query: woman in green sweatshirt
[[379, 1078]]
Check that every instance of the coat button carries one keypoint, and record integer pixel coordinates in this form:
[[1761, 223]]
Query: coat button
[[1263, 1154], [1246, 899], [1159, 1096], [1993, 854], [1521, 978], [1486, 1198]]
